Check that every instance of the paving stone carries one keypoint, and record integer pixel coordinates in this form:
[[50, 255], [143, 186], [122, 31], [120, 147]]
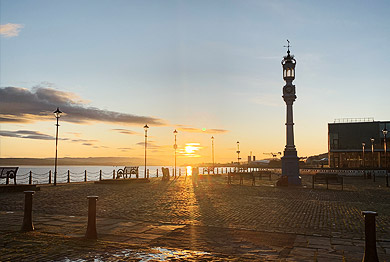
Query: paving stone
[[234, 223]]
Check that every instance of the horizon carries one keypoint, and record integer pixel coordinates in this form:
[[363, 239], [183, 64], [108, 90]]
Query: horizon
[[203, 68]]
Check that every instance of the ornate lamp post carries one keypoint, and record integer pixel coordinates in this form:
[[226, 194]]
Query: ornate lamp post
[[384, 131], [175, 147], [146, 142], [212, 150], [290, 161], [57, 114], [363, 145], [238, 152], [372, 150]]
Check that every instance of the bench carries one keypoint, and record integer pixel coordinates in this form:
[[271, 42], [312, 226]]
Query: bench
[[248, 175], [241, 175], [260, 175], [8, 172], [127, 171], [328, 178]]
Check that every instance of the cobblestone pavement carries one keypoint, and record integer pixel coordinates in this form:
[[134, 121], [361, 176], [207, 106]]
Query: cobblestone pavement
[[210, 221]]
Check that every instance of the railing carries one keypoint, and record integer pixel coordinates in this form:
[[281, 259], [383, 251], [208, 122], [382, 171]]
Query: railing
[[353, 120], [30, 178]]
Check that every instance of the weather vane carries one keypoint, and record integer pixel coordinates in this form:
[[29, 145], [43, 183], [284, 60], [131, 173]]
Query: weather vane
[[288, 46]]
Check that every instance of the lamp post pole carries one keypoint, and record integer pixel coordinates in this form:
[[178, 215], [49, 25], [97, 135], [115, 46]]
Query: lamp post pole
[[238, 152], [57, 114], [372, 151], [384, 131], [212, 151], [175, 147], [364, 163], [146, 142]]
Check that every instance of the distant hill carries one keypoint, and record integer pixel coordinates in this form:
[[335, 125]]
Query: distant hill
[[69, 161]]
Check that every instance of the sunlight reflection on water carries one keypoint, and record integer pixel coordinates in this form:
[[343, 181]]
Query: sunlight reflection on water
[[155, 254]]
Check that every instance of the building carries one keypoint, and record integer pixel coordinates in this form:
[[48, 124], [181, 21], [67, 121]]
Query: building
[[358, 143]]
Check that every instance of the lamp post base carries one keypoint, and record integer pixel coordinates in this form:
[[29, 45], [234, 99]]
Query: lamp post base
[[290, 168]]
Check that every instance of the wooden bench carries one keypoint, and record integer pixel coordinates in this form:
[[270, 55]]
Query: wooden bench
[[241, 175], [8, 172], [328, 178], [127, 171], [252, 175], [260, 175]]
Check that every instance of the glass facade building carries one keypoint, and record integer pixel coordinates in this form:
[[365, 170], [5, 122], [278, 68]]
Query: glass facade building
[[358, 143]]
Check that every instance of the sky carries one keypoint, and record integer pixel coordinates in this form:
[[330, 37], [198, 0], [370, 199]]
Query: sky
[[204, 68]]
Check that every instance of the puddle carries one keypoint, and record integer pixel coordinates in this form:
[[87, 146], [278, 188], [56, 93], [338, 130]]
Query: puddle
[[164, 254], [154, 254]]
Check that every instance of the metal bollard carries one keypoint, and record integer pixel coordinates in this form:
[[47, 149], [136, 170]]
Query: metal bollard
[[100, 175], [370, 253], [85, 175], [30, 178], [68, 176], [91, 227], [27, 219]]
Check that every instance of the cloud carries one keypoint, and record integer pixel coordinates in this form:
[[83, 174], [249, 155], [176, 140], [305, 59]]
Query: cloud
[[125, 131], [150, 145], [125, 148], [28, 134], [74, 133], [23, 105], [203, 130], [190, 150], [10, 30]]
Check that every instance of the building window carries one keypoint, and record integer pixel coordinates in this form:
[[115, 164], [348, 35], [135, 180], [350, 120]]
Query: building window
[[335, 144]]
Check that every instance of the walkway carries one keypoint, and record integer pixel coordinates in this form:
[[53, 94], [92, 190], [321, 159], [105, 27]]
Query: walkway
[[210, 221]]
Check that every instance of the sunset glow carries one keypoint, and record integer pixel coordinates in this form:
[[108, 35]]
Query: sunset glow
[[192, 67], [191, 149]]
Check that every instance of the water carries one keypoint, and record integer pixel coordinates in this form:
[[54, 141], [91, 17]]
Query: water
[[40, 174]]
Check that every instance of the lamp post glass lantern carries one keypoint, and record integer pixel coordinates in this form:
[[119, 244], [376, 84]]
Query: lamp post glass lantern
[[146, 142], [57, 114], [175, 147]]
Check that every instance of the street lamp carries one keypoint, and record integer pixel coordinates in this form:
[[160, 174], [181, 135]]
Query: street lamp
[[212, 150], [363, 144], [57, 114], [372, 150], [175, 147], [238, 152], [384, 131], [146, 141]]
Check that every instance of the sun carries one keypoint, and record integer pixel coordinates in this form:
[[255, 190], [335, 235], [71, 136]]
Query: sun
[[190, 149]]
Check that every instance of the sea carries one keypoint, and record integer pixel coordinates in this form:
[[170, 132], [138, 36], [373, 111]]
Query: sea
[[45, 174]]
